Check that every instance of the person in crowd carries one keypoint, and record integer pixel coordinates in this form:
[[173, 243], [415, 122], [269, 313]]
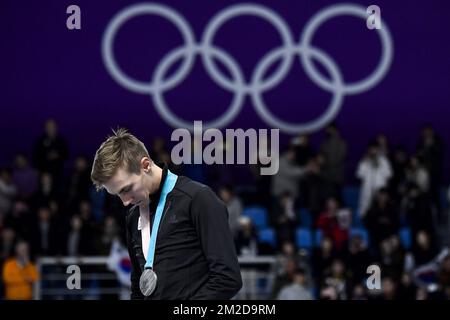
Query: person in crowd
[[391, 257], [297, 289], [288, 177], [334, 151], [359, 292], [398, 179], [24, 177], [234, 206], [315, 188], [7, 243], [336, 276], [322, 258], [424, 250], [417, 174], [7, 191], [358, 258], [44, 234], [47, 191], [79, 184], [285, 218], [417, 210], [382, 143], [19, 274], [430, 149], [79, 238], [334, 223], [19, 219], [388, 289], [374, 170], [303, 149], [110, 232], [246, 240], [284, 277], [51, 151], [407, 289], [382, 219]]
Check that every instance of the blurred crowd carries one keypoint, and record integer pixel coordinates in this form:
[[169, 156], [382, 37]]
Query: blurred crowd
[[48, 207]]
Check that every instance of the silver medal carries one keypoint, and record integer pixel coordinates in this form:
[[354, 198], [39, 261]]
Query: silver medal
[[147, 282]]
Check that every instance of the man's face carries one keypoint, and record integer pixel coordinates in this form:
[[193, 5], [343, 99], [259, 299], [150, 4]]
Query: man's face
[[22, 250], [128, 186]]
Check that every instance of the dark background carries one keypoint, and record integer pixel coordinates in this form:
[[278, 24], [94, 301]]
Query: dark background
[[50, 71]]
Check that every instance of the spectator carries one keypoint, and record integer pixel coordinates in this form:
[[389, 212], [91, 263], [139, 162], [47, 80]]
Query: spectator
[[389, 289], [44, 234], [79, 183], [334, 150], [316, 188], [421, 294], [417, 174], [322, 258], [359, 292], [334, 223], [285, 218], [19, 274], [7, 243], [374, 171], [336, 277], [158, 149], [25, 177], [431, 150], [288, 253], [85, 212], [47, 191], [288, 177], [303, 150], [19, 219], [329, 293], [392, 257], [407, 289], [297, 290], [51, 151], [417, 209], [382, 218], [444, 272], [234, 206], [7, 191], [79, 238], [110, 232], [382, 143], [285, 277], [263, 158], [358, 259], [423, 250], [246, 240], [398, 180]]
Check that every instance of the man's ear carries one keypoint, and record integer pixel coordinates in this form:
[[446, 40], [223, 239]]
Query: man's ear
[[146, 164]]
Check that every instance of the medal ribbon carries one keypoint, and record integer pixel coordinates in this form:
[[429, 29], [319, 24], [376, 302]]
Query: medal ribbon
[[168, 186]]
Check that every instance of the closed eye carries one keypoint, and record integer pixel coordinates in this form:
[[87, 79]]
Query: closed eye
[[126, 189]]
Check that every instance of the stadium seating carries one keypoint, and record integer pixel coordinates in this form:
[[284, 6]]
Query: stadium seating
[[258, 215]]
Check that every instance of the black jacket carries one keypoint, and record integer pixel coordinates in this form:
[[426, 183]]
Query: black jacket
[[195, 256]]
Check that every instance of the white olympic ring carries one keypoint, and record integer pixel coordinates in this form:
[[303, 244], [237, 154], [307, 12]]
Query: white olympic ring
[[237, 85]]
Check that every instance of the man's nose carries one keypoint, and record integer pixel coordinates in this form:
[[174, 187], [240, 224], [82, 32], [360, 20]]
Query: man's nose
[[126, 200]]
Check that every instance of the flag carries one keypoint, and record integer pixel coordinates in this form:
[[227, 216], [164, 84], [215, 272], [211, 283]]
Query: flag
[[119, 262]]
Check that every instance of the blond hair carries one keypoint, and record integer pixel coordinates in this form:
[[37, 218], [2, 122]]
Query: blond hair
[[120, 150]]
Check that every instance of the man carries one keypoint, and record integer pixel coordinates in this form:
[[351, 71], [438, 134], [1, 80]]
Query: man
[[374, 170], [19, 274], [297, 290], [178, 237], [334, 150]]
